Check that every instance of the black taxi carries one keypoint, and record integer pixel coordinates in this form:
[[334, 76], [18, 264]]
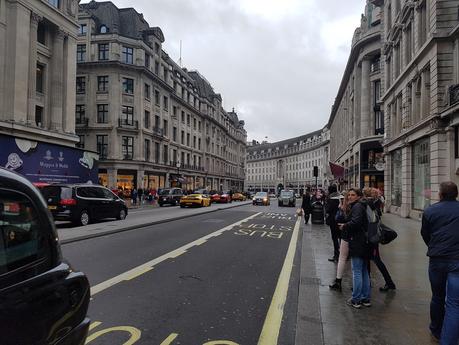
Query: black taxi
[[42, 299]]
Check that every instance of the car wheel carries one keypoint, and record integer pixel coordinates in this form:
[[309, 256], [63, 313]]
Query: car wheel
[[121, 215], [182, 206], [161, 204], [84, 218]]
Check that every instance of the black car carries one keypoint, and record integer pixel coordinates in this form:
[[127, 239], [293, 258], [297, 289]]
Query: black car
[[83, 203], [170, 196], [42, 299]]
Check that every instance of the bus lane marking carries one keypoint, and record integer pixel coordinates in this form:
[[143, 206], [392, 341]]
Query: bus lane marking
[[272, 324], [147, 266], [169, 339]]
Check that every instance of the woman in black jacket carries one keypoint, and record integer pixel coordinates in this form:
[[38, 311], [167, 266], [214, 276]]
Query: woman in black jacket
[[306, 206], [356, 226]]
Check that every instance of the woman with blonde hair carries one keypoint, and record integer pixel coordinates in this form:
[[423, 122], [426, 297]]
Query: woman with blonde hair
[[342, 214]]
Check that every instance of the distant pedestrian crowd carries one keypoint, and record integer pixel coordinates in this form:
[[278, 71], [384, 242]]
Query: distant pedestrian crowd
[[355, 220]]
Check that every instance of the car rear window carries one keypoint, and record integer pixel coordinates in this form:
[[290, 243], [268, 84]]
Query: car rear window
[[56, 193], [20, 242], [286, 194], [165, 192]]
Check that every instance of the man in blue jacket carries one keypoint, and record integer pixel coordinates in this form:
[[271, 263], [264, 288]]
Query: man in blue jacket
[[440, 231]]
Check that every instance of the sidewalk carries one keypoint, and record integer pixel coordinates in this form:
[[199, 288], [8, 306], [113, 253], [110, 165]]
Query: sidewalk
[[398, 317], [138, 217]]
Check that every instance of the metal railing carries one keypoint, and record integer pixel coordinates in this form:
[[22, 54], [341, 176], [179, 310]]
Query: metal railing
[[125, 123]]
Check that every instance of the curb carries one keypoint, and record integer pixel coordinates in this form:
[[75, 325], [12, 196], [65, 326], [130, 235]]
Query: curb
[[132, 227]]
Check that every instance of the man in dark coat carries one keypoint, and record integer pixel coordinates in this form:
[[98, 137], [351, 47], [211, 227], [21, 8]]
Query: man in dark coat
[[331, 208], [306, 206], [440, 231]]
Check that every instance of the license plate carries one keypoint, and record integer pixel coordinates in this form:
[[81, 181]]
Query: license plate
[[52, 207]]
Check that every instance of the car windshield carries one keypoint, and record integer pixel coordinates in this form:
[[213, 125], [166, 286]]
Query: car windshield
[[286, 194], [165, 192], [262, 194]]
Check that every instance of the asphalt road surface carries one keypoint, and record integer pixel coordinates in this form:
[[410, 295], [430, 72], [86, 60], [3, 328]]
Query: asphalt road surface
[[224, 278]]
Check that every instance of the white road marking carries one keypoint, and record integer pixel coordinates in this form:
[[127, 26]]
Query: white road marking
[[139, 270]]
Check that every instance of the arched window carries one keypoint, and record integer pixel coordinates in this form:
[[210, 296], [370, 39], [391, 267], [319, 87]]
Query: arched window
[[103, 29]]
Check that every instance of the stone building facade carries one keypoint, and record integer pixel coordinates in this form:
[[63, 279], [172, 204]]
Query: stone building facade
[[288, 163], [37, 70], [420, 52], [153, 123], [356, 122]]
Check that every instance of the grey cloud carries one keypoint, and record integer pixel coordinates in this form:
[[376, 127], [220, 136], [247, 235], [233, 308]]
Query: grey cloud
[[276, 74]]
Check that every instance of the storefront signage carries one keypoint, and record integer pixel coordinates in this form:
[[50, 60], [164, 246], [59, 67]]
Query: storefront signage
[[48, 163]]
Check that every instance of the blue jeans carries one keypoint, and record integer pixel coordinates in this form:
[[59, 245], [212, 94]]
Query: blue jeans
[[444, 307], [360, 279]]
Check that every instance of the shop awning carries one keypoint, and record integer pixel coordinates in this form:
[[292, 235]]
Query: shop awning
[[177, 178]]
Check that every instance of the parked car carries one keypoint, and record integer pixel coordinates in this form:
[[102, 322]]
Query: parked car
[[43, 300], [170, 196], [261, 198], [286, 198], [239, 197], [83, 203], [195, 199], [214, 196], [225, 197]]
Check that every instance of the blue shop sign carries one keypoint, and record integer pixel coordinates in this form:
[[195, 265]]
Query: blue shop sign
[[48, 163]]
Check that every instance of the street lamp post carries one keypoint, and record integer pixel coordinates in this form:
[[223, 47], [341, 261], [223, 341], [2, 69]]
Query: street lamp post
[[178, 173]]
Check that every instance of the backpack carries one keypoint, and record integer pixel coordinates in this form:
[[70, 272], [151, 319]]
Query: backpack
[[374, 233]]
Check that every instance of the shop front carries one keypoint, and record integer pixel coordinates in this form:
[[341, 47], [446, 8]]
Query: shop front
[[126, 180], [154, 180], [176, 181], [372, 165], [103, 177], [421, 190], [396, 178]]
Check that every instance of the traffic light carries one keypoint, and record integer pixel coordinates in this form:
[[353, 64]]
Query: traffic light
[[316, 171]]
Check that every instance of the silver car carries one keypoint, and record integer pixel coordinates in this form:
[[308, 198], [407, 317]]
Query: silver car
[[286, 198]]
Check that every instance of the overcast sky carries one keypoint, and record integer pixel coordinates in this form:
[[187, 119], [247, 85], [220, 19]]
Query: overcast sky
[[277, 62]]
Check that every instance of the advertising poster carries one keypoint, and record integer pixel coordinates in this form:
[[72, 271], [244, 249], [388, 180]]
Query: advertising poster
[[48, 163]]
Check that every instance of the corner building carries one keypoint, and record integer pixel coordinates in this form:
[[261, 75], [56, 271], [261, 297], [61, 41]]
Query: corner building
[[288, 163], [357, 122], [37, 70], [153, 123], [420, 49]]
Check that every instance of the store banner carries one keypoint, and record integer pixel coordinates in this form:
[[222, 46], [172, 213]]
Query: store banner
[[336, 170], [48, 163]]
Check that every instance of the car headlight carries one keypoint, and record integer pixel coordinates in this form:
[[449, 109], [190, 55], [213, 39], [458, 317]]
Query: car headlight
[[253, 198], [265, 199]]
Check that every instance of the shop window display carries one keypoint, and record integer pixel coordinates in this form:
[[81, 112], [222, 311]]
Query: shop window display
[[421, 174], [396, 178]]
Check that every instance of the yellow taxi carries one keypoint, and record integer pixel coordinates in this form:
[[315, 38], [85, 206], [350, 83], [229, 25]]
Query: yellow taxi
[[195, 199], [239, 197]]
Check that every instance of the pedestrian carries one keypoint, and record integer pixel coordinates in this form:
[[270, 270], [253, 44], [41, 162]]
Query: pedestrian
[[356, 226], [331, 208], [140, 195], [372, 197], [343, 212], [134, 195], [306, 206], [440, 231]]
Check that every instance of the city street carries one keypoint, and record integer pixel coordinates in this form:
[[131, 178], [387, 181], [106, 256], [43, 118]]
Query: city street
[[197, 280]]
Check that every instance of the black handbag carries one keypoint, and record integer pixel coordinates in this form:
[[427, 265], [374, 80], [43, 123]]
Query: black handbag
[[387, 234]]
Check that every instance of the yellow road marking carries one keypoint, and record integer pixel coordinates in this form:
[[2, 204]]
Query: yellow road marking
[[94, 325], [134, 333], [141, 268], [169, 339], [271, 327], [147, 269]]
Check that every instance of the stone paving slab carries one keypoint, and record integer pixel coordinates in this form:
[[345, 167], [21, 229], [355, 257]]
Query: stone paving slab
[[399, 317]]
